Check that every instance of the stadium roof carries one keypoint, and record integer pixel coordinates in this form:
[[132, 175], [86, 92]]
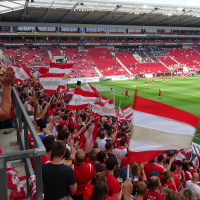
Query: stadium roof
[[122, 12]]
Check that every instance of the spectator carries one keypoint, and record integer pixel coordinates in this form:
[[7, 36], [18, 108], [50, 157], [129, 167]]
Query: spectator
[[187, 194], [101, 166], [176, 178], [93, 156], [101, 141], [167, 181], [58, 179], [160, 160], [48, 142], [83, 172], [113, 184], [191, 168], [109, 152], [141, 190], [89, 188], [65, 136], [154, 192], [169, 194], [148, 167], [123, 173], [127, 189], [192, 184], [100, 191], [121, 151]]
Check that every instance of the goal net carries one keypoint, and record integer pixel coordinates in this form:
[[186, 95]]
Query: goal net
[[106, 92]]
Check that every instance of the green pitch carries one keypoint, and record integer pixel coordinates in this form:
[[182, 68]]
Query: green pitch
[[183, 94]]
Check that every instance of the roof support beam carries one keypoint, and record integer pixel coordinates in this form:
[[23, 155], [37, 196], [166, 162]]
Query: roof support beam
[[126, 14], [152, 19], [63, 19], [47, 11], [24, 12], [136, 18], [90, 12], [108, 14]]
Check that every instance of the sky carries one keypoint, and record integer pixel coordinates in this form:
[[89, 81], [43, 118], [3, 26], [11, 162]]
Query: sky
[[173, 2]]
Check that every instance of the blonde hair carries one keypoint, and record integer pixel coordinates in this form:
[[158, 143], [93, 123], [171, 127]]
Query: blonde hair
[[136, 169], [187, 194], [93, 154], [166, 175]]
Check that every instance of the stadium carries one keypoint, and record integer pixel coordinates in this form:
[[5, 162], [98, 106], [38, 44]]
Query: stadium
[[106, 79]]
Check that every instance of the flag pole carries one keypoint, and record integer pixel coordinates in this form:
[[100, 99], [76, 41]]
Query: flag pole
[[128, 165]]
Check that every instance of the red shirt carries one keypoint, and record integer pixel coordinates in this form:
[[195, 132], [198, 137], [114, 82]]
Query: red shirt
[[88, 192], [124, 162], [168, 185], [116, 143], [126, 91], [153, 195], [159, 92], [152, 80], [192, 171], [45, 160], [113, 184], [148, 167], [145, 82], [83, 173], [87, 160], [176, 180]]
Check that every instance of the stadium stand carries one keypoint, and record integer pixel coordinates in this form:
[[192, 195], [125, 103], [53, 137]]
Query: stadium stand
[[83, 64], [56, 52], [105, 62]]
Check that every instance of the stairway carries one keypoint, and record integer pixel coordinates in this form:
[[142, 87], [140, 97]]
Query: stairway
[[50, 54], [118, 60], [97, 70], [137, 57]]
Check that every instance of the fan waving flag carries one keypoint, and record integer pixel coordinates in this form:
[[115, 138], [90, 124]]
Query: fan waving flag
[[60, 69], [22, 74], [70, 91], [127, 111], [104, 99], [88, 87], [108, 109], [181, 155], [81, 99], [50, 82], [86, 142], [156, 127]]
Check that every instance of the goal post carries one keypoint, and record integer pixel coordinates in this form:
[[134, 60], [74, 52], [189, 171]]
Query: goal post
[[106, 92]]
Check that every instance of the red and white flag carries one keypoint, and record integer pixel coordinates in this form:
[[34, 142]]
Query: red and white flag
[[104, 99], [70, 91], [87, 140], [128, 111], [156, 127], [108, 109], [88, 87], [50, 82], [181, 155], [97, 107], [196, 161], [22, 74], [61, 69], [81, 99], [3, 66]]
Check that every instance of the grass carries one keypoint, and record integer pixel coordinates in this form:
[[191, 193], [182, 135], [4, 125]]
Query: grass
[[183, 94]]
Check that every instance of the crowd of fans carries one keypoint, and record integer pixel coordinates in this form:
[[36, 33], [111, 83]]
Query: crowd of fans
[[69, 172]]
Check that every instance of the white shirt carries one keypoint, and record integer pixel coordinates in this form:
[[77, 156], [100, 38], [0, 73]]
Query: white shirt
[[193, 187], [68, 147], [101, 144], [120, 154]]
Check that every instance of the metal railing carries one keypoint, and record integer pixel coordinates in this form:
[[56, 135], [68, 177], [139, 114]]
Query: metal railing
[[25, 153]]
